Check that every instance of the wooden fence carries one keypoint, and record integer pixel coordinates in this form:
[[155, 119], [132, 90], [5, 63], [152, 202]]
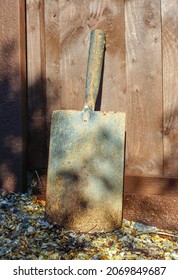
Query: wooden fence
[[140, 78]]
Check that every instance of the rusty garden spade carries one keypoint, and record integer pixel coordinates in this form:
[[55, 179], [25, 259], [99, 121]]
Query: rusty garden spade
[[86, 159]]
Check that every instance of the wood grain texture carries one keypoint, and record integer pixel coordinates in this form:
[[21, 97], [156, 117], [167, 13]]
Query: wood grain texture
[[37, 152], [170, 85], [77, 19], [58, 40], [144, 154], [52, 45]]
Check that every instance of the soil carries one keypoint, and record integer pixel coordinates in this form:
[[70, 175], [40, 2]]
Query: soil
[[154, 210]]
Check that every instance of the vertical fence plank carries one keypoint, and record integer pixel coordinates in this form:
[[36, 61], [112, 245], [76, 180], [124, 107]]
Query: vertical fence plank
[[170, 85], [37, 153], [144, 88], [12, 96], [114, 81], [52, 33], [74, 38]]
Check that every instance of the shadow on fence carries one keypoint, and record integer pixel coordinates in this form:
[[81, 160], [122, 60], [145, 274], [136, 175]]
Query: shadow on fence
[[12, 121], [11, 143]]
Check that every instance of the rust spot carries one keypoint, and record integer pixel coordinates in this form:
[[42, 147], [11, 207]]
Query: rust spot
[[86, 158], [84, 177]]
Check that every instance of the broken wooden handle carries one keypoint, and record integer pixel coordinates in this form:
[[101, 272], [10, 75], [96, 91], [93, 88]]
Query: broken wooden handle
[[94, 67]]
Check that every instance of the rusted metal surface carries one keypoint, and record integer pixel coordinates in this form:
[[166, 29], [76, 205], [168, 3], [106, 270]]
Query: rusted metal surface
[[86, 157]]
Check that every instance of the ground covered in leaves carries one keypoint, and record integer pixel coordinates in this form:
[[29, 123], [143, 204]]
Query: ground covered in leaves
[[25, 234]]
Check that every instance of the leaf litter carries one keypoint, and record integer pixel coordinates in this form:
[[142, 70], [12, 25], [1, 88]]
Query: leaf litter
[[25, 234]]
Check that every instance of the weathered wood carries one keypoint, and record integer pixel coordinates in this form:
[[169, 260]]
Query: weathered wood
[[170, 85], [12, 96], [151, 185], [151, 82], [37, 149], [94, 69], [109, 15], [75, 26], [52, 45], [144, 154]]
